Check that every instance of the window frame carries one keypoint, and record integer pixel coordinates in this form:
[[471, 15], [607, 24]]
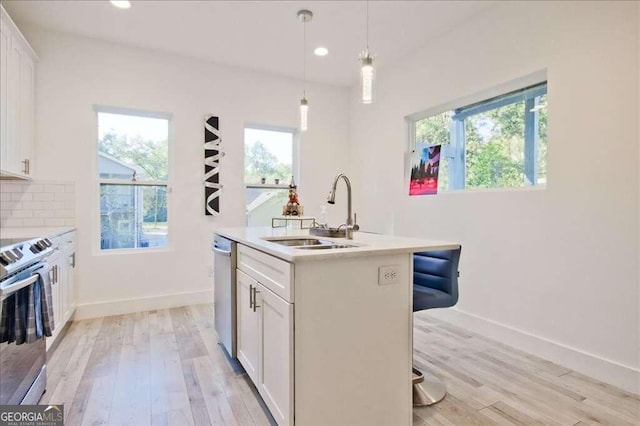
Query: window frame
[[295, 154], [98, 181], [475, 104]]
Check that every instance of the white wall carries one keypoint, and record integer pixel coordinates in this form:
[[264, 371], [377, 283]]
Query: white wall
[[552, 271], [75, 73]]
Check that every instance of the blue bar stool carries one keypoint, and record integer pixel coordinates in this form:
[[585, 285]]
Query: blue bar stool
[[435, 285]]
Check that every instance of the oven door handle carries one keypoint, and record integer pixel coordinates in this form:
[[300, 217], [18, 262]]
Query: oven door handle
[[9, 290], [220, 251]]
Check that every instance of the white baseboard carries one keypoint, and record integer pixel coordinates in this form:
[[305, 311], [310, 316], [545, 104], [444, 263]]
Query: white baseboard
[[119, 307], [611, 372]]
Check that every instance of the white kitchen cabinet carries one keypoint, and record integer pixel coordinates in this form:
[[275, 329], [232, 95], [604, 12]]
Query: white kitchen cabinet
[[62, 278], [17, 89], [68, 265], [247, 325], [328, 343], [265, 329], [55, 263], [275, 373]]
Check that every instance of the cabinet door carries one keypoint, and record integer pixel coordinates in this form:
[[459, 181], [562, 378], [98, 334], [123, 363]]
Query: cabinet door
[[63, 285], [54, 262], [276, 354], [10, 161], [27, 114], [70, 281], [5, 38], [247, 325]]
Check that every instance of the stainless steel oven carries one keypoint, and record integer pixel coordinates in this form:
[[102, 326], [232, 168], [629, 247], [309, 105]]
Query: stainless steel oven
[[22, 343]]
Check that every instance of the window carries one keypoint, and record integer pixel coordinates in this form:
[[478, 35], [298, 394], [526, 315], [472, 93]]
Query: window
[[270, 162], [133, 176], [496, 143]]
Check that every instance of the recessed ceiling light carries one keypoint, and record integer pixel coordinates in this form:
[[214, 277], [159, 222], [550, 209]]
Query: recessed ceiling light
[[122, 4], [321, 51]]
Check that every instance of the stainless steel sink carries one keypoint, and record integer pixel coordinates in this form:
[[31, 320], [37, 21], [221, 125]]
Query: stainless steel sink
[[325, 246], [308, 243], [300, 242]]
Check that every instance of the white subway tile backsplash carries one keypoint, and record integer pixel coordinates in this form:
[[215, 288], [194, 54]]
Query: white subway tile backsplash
[[64, 213], [35, 188], [43, 196], [21, 196], [10, 205], [44, 213], [63, 196], [54, 188], [33, 221], [11, 187], [31, 203], [54, 205], [12, 223], [22, 213], [54, 222]]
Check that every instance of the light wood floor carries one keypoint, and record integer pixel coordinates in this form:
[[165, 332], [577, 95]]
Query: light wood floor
[[165, 368]]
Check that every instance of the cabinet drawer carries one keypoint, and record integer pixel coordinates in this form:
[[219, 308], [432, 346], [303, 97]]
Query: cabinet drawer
[[273, 273], [68, 241]]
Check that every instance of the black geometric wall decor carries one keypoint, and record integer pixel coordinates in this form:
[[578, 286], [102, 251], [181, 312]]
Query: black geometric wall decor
[[212, 155]]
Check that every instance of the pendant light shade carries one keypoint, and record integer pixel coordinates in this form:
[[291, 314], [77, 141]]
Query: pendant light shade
[[304, 16], [366, 78], [366, 70], [304, 114]]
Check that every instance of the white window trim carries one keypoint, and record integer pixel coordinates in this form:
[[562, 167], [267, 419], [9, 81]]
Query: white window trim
[[295, 160], [532, 79], [510, 86], [95, 221]]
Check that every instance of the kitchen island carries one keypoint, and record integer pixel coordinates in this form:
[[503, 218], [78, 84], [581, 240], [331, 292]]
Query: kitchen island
[[323, 330]]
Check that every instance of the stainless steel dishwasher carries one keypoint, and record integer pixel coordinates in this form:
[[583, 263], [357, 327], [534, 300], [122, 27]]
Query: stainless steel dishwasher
[[224, 292]]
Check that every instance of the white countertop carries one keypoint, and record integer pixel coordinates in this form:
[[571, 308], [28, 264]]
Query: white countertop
[[366, 243], [35, 232]]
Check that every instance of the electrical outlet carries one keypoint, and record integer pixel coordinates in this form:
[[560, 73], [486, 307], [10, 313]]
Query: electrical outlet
[[388, 274]]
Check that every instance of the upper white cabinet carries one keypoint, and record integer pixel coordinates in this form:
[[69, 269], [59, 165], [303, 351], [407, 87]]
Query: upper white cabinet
[[17, 94]]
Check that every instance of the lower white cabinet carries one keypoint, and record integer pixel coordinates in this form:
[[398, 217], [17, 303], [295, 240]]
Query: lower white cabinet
[[321, 339], [247, 325], [275, 373], [62, 278], [265, 344], [55, 263], [68, 303]]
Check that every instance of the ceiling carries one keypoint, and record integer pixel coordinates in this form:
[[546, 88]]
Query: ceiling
[[259, 35]]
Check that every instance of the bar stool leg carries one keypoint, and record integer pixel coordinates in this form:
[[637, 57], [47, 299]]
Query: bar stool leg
[[426, 393]]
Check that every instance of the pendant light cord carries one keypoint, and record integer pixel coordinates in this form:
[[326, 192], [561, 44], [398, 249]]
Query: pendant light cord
[[367, 26], [304, 58]]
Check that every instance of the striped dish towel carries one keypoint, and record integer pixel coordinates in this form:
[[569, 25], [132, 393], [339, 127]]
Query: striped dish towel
[[8, 321], [46, 299]]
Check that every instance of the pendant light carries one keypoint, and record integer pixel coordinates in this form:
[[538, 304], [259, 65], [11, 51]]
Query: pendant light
[[304, 16], [366, 70]]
